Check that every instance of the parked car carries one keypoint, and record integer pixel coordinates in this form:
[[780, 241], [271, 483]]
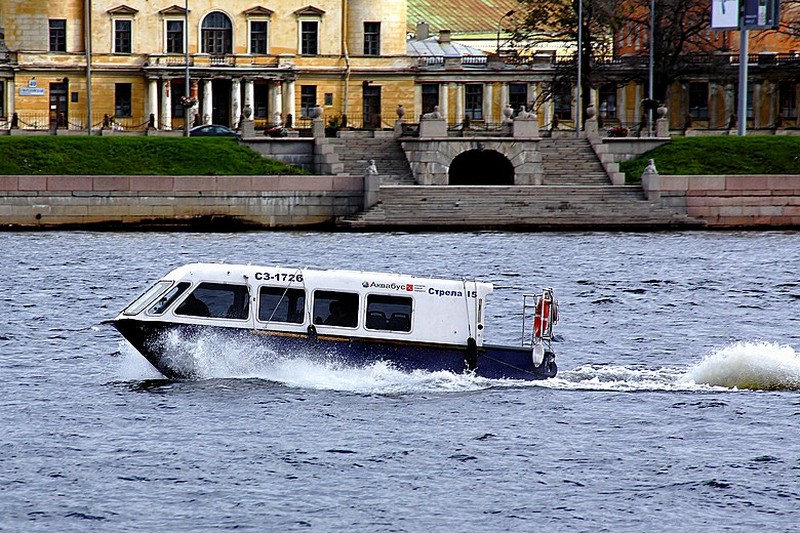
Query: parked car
[[213, 130]]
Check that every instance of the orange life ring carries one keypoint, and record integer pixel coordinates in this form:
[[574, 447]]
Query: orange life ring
[[542, 318]]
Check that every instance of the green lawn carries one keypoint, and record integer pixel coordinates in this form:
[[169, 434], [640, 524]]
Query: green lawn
[[720, 155], [134, 156]]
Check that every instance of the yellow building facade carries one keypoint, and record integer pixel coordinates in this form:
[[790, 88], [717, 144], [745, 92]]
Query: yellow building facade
[[276, 60]]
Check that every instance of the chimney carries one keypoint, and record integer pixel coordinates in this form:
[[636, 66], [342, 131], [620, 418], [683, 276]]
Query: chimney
[[444, 36], [423, 30]]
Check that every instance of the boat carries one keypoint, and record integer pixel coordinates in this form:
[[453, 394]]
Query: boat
[[352, 317]]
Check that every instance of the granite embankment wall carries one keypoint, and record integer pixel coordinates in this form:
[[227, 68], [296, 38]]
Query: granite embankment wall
[[730, 201], [176, 201]]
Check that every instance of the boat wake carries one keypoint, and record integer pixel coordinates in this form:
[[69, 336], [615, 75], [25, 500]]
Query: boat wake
[[744, 365]]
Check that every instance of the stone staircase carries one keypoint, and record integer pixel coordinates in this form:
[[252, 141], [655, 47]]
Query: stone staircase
[[356, 148], [571, 162], [564, 207], [576, 195]]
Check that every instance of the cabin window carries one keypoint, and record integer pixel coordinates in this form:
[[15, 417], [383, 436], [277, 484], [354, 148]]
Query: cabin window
[[388, 313], [336, 308], [165, 301], [216, 300], [141, 302], [278, 304]]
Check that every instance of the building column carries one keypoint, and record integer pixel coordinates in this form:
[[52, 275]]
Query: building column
[[637, 104], [622, 105], [459, 87], [275, 103], [756, 109], [10, 89], [236, 102], [288, 99], [504, 97], [417, 104], [444, 101], [488, 103], [152, 100], [249, 94], [207, 102], [165, 119]]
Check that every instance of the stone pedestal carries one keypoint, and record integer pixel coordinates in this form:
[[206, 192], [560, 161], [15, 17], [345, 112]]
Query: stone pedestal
[[526, 127], [372, 185], [591, 128], [432, 127], [398, 127], [318, 128], [248, 128], [662, 127]]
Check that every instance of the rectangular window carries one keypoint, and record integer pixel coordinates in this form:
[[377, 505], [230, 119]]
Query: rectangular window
[[258, 37], [122, 36], [608, 101], [787, 104], [474, 101], [58, 35], [328, 98], [122, 99], [698, 100], [388, 313], [216, 300], [175, 37], [517, 95], [336, 308], [308, 99], [309, 37], [372, 38], [430, 97], [279, 304]]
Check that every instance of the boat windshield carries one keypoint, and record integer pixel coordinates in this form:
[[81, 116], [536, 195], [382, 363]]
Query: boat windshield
[[148, 296]]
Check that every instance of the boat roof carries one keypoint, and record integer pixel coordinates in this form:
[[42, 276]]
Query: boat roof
[[332, 278]]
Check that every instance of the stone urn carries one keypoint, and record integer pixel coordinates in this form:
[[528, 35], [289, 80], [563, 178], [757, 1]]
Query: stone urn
[[247, 112], [508, 112], [316, 111], [401, 111], [661, 111], [590, 112]]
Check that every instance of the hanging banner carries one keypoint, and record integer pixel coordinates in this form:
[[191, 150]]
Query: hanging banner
[[761, 14], [725, 14]]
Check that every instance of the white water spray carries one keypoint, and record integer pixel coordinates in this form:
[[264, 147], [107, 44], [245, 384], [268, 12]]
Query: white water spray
[[749, 365]]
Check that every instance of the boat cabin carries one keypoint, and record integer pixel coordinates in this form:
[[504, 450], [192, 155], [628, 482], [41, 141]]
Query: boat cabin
[[338, 303]]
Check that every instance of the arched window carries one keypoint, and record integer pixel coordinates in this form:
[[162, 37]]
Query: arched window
[[217, 34]]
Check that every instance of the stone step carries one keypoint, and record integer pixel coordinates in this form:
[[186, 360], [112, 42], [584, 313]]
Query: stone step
[[531, 206]]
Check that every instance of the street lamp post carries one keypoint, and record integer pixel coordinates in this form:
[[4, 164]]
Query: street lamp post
[[187, 86], [652, 60], [499, 27], [580, 71]]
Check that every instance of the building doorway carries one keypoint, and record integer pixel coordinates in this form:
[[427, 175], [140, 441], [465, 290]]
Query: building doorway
[[221, 102], [59, 105], [372, 106], [481, 167]]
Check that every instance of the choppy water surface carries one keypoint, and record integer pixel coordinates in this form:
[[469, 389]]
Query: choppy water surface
[[676, 406]]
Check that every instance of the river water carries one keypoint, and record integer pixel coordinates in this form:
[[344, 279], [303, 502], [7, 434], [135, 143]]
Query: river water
[[676, 406]]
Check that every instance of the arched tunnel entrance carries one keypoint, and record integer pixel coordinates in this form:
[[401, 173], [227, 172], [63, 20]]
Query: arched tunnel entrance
[[481, 167]]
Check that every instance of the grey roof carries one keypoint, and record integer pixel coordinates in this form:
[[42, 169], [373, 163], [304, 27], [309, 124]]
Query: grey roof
[[432, 47]]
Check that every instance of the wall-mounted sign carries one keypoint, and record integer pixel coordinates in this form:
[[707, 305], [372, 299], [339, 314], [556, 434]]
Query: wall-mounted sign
[[31, 91], [33, 83]]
